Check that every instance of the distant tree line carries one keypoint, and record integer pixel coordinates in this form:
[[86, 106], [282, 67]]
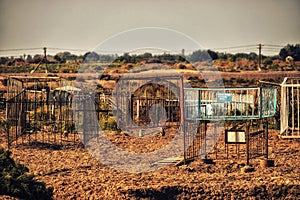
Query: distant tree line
[[196, 56], [148, 57], [290, 50], [61, 57]]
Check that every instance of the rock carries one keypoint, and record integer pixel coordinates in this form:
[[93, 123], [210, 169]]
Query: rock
[[207, 161], [247, 169], [266, 163]]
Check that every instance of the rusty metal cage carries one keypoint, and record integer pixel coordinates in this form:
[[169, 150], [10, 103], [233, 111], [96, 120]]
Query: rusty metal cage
[[215, 123], [138, 97], [205, 110], [213, 140], [38, 109]]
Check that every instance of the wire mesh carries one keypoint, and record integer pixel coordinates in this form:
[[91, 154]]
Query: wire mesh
[[229, 103], [290, 108]]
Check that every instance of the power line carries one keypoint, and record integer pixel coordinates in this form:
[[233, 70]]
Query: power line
[[240, 48], [274, 45], [234, 47], [246, 49], [14, 55], [267, 49], [66, 49], [24, 49], [70, 49], [85, 50]]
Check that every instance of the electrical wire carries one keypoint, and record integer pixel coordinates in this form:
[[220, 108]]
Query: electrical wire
[[239, 49], [24, 49], [234, 47]]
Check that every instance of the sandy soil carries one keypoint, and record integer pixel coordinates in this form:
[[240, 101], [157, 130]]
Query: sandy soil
[[76, 174]]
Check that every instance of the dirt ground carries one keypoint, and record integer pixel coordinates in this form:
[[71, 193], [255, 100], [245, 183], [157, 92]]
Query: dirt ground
[[75, 174]]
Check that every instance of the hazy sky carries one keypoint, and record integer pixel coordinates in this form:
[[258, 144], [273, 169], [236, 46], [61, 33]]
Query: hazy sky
[[79, 24]]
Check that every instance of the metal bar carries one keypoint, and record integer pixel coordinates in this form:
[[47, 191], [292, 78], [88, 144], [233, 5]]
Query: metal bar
[[290, 85], [199, 103], [267, 139], [205, 129], [241, 104], [247, 105], [293, 110], [247, 143], [298, 109], [218, 89], [253, 102], [275, 101], [215, 140], [269, 83], [260, 102], [182, 119]]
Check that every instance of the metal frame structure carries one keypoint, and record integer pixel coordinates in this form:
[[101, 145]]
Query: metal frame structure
[[202, 109], [229, 103], [139, 92], [241, 111], [38, 109], [37, 104], [211, 141], [42, 109], [290, 108]]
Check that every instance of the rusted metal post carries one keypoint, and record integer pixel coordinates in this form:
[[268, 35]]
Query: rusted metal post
[[248, 142], [267, 139], [204, 138]]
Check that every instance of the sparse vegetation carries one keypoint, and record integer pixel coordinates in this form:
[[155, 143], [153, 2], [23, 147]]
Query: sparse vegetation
[[16, 182]]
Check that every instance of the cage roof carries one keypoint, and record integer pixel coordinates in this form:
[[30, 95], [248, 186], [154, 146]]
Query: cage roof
[[68, 88], [153, 74]]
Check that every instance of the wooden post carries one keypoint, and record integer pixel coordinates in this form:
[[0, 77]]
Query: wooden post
[[259, 56], [45, 57]]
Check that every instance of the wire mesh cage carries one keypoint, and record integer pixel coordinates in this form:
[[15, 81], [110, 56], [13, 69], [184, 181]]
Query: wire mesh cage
[[290, 108], [44, 109], [148, 100], [230, 121], [39, 110], [229, 103]]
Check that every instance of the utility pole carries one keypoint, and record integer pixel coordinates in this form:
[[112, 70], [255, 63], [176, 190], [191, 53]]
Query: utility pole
[[183, 53], [45, 58], [259, 56]]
